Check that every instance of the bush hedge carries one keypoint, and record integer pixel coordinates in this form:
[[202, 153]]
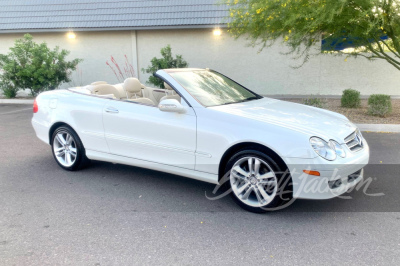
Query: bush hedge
[[351, 99], [167, 61], [379, 105], [316, 102]]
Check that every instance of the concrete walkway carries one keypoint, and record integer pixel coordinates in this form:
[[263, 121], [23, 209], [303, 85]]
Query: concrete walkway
[[296, 96], [16, 101], [390, 128]]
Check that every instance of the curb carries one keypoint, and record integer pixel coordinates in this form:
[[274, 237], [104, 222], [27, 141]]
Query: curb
[[16, 101], [387, 128], [307, 96]]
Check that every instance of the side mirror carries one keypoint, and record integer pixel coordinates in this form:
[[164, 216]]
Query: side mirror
[[172, 105]]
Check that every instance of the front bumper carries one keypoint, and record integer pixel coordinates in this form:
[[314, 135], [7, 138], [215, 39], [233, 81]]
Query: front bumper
[[336, 178]]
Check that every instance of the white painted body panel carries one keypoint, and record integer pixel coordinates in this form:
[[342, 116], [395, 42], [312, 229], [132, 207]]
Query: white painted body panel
[[80, 111], [146, 133], [192, 144]]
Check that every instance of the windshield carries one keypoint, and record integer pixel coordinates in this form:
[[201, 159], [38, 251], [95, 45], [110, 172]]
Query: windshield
[[211, 88]]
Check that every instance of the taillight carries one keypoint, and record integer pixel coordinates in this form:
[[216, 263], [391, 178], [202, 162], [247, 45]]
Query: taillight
[[35, 107]]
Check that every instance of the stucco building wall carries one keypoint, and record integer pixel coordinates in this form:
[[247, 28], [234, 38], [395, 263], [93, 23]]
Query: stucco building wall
[[267, 72], [271, 72], [95, 48]]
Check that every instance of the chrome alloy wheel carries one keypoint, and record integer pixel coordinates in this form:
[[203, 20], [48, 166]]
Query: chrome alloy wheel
[[253, 181], [64, 147]]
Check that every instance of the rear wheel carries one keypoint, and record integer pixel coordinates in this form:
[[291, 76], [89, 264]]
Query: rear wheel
[[258, 182], [68, 150]]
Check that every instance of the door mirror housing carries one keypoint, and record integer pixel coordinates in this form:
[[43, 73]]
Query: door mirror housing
[[172, 105]]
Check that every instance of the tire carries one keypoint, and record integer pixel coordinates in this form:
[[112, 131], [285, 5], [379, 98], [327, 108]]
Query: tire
[[68, 150], [267, 189]]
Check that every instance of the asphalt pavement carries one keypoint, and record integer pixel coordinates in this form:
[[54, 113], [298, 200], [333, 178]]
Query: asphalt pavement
[[121, 215]]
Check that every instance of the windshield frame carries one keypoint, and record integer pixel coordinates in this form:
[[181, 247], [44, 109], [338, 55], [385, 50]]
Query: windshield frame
[[256, 95]]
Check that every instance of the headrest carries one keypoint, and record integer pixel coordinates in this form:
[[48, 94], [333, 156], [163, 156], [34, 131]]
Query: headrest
[[167, 87], [120, 89], [132, 85], [104, 89], [99, 82]]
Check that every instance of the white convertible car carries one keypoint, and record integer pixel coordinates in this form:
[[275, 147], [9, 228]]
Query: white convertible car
[[206, 126]]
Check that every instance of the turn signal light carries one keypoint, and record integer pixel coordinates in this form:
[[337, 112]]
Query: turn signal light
[[309, 172], [35, 107]]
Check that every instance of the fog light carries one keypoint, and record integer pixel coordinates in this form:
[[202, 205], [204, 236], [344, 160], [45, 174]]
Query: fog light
[[354, 176], [335, 183]]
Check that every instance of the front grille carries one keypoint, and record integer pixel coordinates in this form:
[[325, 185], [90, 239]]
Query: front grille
[[354, 141]]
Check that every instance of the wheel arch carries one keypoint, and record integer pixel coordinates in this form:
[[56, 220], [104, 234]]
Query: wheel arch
[[57, 125], [244, 146]]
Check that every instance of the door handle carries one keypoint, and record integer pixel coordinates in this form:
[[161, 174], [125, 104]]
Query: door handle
[[112, 110]]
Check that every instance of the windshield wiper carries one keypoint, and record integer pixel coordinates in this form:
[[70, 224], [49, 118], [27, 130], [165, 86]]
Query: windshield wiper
[[241, 101], [248, 99]]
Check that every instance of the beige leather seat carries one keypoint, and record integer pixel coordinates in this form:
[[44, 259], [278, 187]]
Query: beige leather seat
[[99, 82], [133, 88], [106, 90], [171, 94], [121, 91]]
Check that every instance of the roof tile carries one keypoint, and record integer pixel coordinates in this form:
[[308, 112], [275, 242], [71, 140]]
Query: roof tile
[[52, 14]]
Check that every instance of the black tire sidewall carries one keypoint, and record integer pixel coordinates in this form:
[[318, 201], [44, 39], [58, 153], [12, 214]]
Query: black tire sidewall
[[80, 150], [277, 167]]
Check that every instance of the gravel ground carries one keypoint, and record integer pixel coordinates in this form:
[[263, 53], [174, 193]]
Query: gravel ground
[[359, 115]]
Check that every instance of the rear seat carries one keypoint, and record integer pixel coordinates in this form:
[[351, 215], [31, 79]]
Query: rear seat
[[106, 90], [99, 82], [121, 91], [131, 90]]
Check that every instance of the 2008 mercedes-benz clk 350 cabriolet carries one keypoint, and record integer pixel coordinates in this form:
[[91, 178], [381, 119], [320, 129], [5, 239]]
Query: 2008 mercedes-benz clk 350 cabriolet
[[205, 126]]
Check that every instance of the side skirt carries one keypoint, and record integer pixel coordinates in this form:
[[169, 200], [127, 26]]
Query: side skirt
[[112, 158]]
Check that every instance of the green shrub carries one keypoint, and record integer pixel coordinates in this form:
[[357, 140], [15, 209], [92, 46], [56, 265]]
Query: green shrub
[[34, 66], [351, 99], [9, 91], [316, 102], [379, 105], [167, 61]]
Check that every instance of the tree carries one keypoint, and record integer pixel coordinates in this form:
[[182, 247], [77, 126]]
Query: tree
[[34, 66], [167, 61], [371, 27]]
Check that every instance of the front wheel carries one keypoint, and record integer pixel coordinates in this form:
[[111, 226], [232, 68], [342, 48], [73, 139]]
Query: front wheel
[[258, 183], [68, 150]]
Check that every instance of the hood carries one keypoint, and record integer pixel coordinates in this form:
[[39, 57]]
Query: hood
[[302, 118]]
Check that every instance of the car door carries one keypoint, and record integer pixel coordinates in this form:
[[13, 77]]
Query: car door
[[145, 132], [86, 112]]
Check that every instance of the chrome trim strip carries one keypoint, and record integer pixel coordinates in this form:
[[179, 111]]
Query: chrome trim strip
[[354, 142]]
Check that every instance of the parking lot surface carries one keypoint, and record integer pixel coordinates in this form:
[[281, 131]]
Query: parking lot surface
[[121, 215]]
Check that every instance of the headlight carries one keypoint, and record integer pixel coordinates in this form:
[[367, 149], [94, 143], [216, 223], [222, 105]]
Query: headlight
[[338, 148], [323, 149]]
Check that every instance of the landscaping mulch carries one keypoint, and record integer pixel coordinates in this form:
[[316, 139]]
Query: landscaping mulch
[[359, 115], [18, 98]]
